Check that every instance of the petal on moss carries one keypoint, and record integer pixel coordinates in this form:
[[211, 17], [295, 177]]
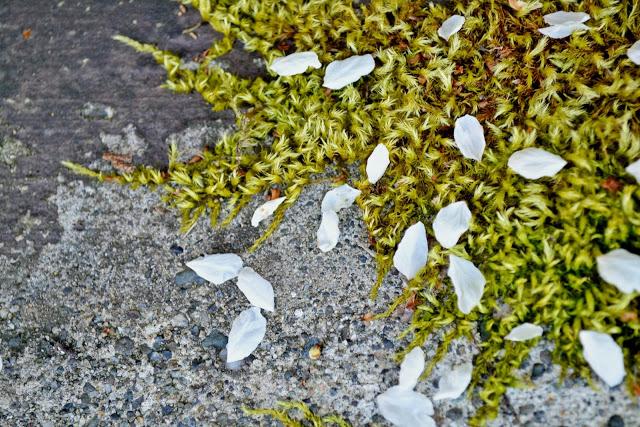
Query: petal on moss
[[405, 408], [451, 222], [566, 18], [411, 368], [413, 251], [524, 332], [634, 53], [634, 169], [329, 231], [604, 356], [534, 163], [377, 163], [468, 283], [339, 198], [450, 26], [562, 31], [217, 268], [256, 288], [454, 382], [247, 331], [469, 137], [620, 268], [266, 210], [340, 73], [296, 63]]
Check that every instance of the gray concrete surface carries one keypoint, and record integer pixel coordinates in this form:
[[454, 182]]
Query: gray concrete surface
[[97, 324]]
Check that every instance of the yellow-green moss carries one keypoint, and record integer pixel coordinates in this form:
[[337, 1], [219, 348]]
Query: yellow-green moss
[[306, 417], [535, 241]]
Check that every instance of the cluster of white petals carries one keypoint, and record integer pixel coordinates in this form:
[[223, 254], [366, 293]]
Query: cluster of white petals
[[400, 404], [563, 24], [249, 328], [335, 200]]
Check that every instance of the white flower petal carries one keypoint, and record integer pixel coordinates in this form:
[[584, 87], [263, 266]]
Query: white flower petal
[[524, 332], [468, 283], [469, 137], [604, 356], [217, 268], [411, 368], [451, 222], [454, 382], [377, 163], [634, 53], [296, 63], [634, 169], [405, 408], [339, 198], [329, 231], [257, 289], [620, 268], [265, 210], [566, 18], [247, 331], [343, 72], [450, 26], [562, 31], [534, 163], [412, 252]]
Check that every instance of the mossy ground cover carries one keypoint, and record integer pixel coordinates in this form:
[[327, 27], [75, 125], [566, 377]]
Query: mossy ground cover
[[535, 241]]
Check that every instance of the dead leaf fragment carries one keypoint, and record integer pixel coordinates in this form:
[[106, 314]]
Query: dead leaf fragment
[[26, 33]]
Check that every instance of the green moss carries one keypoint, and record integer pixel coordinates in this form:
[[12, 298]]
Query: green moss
[[535, 241], [306, 416]]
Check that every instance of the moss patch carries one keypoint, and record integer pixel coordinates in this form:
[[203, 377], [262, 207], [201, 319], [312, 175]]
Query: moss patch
[[535, 241]]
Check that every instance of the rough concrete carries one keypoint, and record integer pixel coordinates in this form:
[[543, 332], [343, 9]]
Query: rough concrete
[[95, 329]]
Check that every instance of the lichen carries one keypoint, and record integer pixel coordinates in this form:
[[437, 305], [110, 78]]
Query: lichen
[[535, 241]]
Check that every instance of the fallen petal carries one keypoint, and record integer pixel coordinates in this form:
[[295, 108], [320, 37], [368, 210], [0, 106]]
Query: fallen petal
[[296, 63], [620, 268], [217, 268], [524, 332], [412, 252], [377, 163], [534, 163], [247, 331], [455, 382], [562, 31], [258, 291], [329, 231], [450, 26], [469, 137], [566, 18], [343, 72], [604, 356], [634, 169], [339, 198], [634, 53], [451, 222], [411, 368], [266, 210], [468, 283], [405, 408]]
